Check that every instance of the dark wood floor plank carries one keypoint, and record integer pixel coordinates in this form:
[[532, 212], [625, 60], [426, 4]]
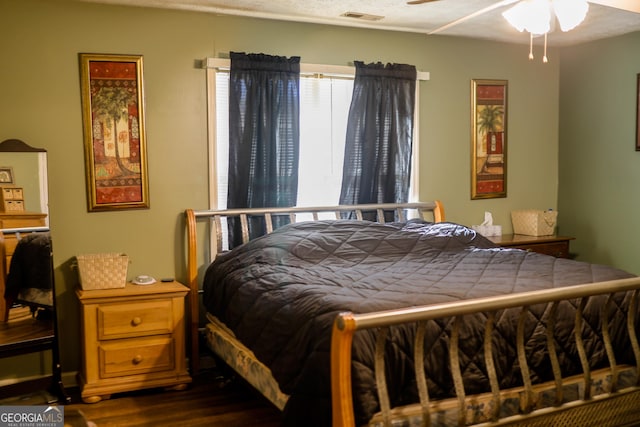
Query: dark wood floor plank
[[204, 403]]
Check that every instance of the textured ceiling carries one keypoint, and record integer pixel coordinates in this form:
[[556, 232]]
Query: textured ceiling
[[601, 22]]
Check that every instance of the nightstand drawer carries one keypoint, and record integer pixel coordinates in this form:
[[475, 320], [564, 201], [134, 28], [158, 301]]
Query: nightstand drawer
[[557, 246], [140, 356], [558, 250], [134, 319]]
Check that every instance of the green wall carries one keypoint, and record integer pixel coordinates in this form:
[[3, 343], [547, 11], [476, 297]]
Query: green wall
[[599, 167], [40, 104]]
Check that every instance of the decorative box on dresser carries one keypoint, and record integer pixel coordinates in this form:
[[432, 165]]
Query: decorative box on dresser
[[11, 199], [557, 246], [132, 338]]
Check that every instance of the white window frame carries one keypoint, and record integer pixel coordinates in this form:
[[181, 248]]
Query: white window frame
[[212, 65]]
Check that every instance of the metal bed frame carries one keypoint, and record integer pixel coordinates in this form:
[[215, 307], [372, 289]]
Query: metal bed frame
[[615, 407]]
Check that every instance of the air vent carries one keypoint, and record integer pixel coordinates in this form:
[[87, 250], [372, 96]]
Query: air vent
[[363, 16]]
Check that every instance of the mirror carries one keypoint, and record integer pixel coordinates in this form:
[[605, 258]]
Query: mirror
[[27, 296], [26, 170]]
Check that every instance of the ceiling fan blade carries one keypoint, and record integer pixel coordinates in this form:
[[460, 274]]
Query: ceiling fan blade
[[420, 1], [629, 5], [496, 5]]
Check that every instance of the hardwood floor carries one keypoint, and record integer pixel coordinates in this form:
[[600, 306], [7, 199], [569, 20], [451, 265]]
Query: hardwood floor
[[210, 400], [206, 402]]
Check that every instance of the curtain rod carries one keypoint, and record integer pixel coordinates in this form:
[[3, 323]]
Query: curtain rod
[[327, 70]]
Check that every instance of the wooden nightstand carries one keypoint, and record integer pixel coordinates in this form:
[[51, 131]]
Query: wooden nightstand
[[133, 338], [557, 246]]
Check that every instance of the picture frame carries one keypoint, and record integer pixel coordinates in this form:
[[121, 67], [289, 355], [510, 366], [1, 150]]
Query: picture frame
[[638, 112], [114, 131], [6, 175], [489, 138]]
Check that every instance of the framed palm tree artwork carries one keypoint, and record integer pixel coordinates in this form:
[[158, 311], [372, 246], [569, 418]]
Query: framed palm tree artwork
[[489, 139], [114, 131], [638, 112]]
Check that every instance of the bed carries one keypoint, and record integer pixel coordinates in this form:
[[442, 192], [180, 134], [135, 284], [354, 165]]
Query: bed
[[388, 315]]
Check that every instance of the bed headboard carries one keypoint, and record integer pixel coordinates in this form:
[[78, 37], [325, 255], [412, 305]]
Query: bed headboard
[[429, 211]]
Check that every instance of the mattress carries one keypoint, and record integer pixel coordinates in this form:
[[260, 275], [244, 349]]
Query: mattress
[[280, 293]]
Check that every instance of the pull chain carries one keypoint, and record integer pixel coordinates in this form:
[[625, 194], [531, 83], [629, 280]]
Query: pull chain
[[544, 57], [530, 46]]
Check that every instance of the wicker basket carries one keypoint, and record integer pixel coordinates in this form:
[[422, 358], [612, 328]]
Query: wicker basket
[[102, 271], [533, 222]]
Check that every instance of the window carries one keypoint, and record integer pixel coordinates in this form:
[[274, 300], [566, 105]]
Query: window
[[324, 109]]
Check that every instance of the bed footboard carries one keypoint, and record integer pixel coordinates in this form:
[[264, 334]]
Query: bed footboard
[[617, 405]]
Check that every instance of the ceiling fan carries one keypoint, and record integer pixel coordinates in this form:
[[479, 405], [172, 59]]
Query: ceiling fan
[[538, 17], [628, 5]]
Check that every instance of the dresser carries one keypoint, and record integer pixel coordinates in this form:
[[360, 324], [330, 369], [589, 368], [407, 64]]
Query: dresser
[[132, 338], [557, 246]]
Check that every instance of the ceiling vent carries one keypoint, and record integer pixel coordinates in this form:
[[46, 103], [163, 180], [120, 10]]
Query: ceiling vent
[[363, 16]]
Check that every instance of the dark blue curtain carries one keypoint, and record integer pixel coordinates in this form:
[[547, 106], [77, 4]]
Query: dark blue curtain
[[377, 161], [264, 134]]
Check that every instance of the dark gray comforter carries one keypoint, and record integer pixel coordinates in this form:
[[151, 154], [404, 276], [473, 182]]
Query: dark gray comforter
[[280, 294]]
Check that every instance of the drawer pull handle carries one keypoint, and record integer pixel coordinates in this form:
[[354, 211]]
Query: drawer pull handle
[[137, 359], [136, 321]]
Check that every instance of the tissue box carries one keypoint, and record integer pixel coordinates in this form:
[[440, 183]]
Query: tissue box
[[488, 230], [533, 222]]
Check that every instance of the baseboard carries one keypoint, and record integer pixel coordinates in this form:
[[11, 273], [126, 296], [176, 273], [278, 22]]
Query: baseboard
[[69, 379]]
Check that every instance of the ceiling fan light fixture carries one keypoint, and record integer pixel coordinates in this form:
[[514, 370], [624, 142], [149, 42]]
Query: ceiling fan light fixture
[[570, 13], [517, 16], [533, 16]]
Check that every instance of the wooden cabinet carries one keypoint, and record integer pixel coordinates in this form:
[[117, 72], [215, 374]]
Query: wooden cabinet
[[133, 338], [557, 246]]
